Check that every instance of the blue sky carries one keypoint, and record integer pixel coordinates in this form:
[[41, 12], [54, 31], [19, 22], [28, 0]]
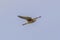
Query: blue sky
[[46, 28]]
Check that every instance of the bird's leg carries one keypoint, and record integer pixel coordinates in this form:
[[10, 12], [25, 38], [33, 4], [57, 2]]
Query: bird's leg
[[24, 24]]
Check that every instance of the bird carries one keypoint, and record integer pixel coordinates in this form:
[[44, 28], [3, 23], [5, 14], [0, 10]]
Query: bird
[[29, 19]]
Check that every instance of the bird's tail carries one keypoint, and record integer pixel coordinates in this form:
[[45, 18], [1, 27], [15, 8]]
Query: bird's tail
[[24, 24]]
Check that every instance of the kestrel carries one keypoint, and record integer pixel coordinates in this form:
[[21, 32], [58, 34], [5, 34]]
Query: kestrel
[[29, 19]]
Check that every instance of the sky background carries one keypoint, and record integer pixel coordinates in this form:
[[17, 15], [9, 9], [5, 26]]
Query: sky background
[[45, 28]]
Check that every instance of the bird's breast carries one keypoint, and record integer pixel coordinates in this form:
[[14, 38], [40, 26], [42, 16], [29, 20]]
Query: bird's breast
[[31, 21]]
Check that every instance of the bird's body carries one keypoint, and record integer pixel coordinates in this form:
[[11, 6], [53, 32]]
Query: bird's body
[[29, 19]]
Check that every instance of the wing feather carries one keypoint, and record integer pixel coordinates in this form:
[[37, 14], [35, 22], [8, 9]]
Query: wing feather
[[25, 17]]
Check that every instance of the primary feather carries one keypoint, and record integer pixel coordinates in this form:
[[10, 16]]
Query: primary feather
[[25, 17]]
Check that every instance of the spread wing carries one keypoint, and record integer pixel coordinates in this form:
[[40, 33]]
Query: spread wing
[[25, 17], [37, 17]]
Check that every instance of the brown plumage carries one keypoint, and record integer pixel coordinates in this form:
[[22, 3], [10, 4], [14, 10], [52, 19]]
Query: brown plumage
[[29, 19]]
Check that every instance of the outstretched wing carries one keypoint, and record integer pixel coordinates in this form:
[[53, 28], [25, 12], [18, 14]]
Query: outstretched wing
[[25, 17], [37, 17]]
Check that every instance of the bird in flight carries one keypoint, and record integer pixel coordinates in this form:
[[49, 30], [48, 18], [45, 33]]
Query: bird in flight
[[29, 19]]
